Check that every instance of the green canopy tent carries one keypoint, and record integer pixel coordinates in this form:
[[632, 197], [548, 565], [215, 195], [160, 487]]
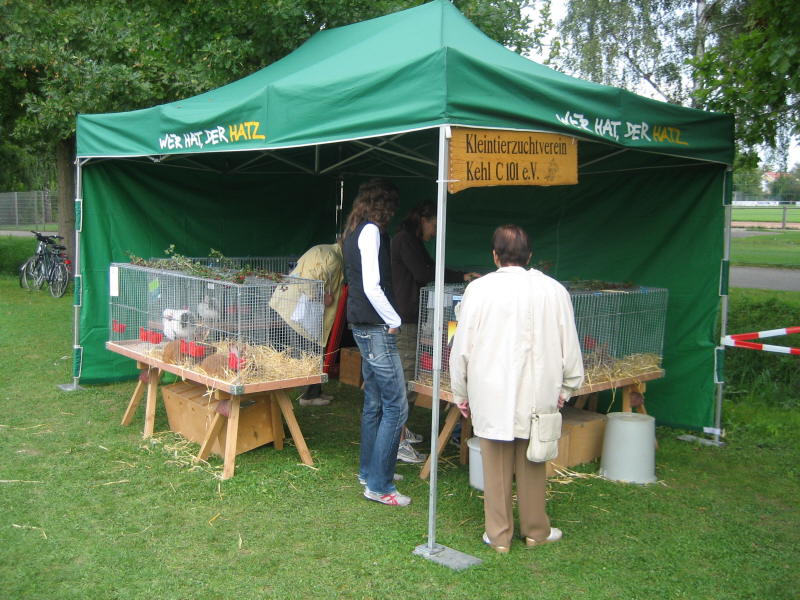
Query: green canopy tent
[[265, 166]]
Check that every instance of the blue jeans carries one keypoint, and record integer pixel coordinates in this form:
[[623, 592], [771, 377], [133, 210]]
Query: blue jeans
[[385, 405]]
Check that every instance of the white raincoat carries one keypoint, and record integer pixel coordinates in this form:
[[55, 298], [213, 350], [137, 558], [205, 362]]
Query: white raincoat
[[515, 348]]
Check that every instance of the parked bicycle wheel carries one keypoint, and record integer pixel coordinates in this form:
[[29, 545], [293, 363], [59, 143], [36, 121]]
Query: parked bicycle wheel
[[31, 276], [59, 279], [23, 279]]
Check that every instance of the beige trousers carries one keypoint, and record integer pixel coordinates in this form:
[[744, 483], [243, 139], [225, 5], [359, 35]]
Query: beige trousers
[[502, 463]]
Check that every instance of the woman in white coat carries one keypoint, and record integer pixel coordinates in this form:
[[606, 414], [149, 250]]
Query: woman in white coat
[[515, 352]]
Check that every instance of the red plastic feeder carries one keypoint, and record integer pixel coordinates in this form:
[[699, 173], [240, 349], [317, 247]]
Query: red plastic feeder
[[193, 349], [426, 361], [235, 362], [118, 327], [144, 335]]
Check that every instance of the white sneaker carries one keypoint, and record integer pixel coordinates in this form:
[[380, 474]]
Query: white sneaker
[[392, 499], [555, 535], [407, 454], [411, 437]]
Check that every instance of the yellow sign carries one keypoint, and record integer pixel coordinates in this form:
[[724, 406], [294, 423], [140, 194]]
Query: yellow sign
[[484, 157]]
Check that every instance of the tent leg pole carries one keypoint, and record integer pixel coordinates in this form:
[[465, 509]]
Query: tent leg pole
[[726, 257], [432, 551], [77, 354]]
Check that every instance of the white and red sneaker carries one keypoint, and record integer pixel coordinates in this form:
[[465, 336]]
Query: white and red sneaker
[[392, 498]]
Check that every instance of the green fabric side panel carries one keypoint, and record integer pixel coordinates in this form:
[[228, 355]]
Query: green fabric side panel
[[725, 270], [720, 364], [77, 358], [77, 284], [134, 207], [652, 228], [78, 215]]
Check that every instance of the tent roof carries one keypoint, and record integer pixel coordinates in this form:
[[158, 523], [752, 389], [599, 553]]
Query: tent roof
[[410, 70]]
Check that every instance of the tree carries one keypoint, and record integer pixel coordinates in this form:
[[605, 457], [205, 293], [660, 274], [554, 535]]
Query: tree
[[640, 45], [737, 56], [754, 70], [67, 57]]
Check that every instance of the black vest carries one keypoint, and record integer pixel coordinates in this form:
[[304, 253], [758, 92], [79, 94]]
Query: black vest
[[359, 308]]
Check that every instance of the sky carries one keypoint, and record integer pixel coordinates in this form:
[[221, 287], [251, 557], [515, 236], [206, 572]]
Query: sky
[[558, 9]]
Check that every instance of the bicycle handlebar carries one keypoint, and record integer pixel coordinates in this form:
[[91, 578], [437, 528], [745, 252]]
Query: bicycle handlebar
[[46, 238]]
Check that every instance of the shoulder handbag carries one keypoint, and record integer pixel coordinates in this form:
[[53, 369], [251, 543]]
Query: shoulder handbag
[[545, 433]]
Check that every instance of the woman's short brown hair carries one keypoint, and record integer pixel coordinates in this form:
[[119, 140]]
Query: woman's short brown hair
[[512, 246]]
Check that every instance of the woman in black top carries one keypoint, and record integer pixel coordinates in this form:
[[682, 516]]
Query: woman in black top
[[412, 269]]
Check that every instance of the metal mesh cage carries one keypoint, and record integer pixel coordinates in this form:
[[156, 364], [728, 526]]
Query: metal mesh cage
[[260, 330], [426, 341], [621, 331]]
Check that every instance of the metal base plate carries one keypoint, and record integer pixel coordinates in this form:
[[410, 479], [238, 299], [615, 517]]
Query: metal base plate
[[453, 559], [70, 387], [699, 440]]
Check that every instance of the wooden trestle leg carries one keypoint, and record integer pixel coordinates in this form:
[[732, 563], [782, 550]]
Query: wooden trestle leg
[[294, 428], [447, 430], [153, 376]]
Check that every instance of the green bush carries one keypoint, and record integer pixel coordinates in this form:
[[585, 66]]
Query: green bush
[[13, 252], [752, 374]]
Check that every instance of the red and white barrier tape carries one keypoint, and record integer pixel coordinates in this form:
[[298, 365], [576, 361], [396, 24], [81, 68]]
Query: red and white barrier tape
[[738, 340]]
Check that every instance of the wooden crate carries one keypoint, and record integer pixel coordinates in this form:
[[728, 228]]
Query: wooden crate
[[190, 410], [586, 429], [350, 366]]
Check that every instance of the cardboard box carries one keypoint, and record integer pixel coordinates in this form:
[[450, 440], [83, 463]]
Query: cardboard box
[[563, 458], [190, 410], [586, 430], [350, 366]]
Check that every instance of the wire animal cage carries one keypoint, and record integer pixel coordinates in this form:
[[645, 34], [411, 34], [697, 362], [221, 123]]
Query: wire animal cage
[[621, 331], [255, 331], [620, 328]]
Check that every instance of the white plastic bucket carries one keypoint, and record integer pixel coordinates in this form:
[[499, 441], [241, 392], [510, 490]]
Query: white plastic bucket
[[629, 448], [475, 463]]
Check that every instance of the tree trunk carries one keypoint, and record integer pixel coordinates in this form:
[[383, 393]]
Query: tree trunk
[[700, 32], [65, 173]]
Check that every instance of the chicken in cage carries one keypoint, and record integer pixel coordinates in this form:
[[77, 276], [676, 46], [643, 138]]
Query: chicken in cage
[[260, 327], [620, 328]]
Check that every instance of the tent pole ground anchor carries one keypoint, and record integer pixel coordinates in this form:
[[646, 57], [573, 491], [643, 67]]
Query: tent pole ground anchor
[[703, 441], [70, 387], [454, 559]]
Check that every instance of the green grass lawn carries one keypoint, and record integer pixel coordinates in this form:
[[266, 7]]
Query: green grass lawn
[[766, 214], [90, 510], [779, 249]]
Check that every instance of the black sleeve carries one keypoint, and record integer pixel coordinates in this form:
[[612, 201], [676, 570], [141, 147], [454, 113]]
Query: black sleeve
[[412, 253]]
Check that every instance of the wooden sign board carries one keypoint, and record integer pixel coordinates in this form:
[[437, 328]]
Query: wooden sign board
[[486, 157]]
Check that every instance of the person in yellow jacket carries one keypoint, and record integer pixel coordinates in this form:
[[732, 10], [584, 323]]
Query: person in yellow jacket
[[300, 310]]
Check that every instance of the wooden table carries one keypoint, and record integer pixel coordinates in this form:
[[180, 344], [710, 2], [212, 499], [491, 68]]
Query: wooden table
[[587, 393], [234, 393]]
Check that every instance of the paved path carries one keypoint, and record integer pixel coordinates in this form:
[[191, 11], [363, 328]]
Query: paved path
[[765, 278], [765, 224]]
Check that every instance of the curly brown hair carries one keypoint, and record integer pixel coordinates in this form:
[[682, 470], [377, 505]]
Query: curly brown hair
[[376, 201]]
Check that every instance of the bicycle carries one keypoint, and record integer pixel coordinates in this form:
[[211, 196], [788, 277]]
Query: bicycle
[[49, 264]]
